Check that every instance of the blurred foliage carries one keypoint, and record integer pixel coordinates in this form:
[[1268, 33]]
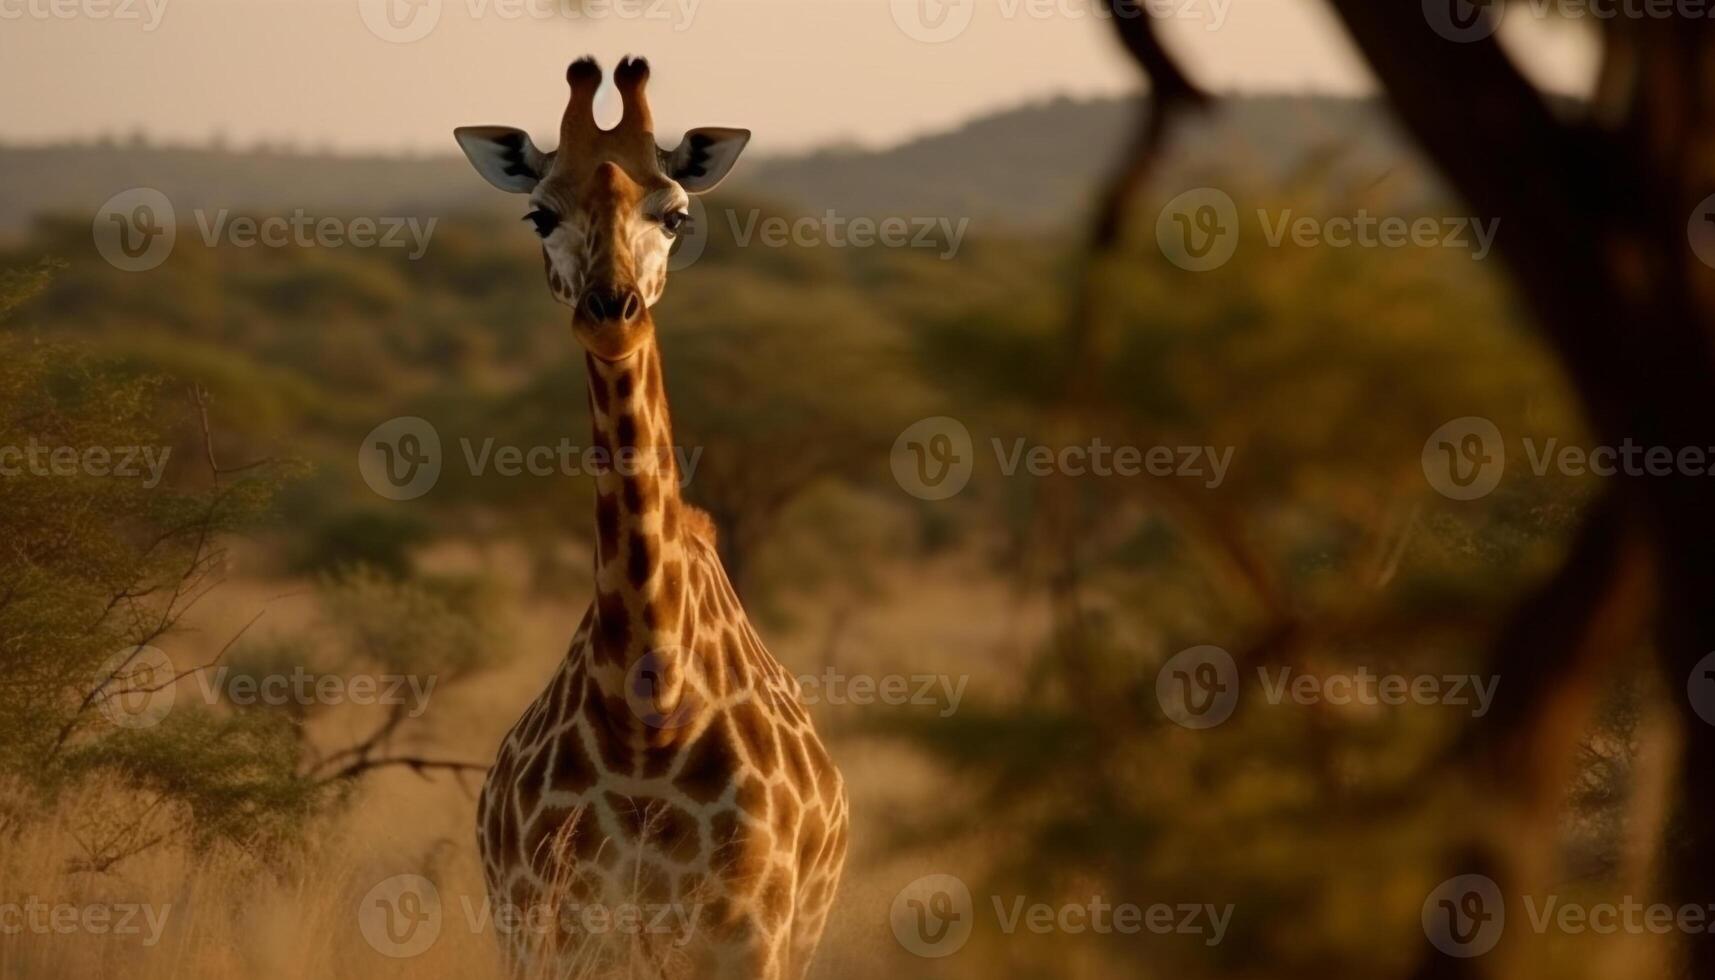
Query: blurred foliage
[[791, 372], [105, 553]]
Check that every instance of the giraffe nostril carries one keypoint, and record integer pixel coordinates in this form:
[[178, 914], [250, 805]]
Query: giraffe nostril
[[595, 305], [633, 306]]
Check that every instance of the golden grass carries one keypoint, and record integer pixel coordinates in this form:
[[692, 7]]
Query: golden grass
[[222, 914]]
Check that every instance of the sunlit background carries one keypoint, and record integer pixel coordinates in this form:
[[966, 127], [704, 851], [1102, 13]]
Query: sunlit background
[[1031, 619]]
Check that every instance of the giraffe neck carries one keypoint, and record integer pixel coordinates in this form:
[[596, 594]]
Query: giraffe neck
[[640, 561]]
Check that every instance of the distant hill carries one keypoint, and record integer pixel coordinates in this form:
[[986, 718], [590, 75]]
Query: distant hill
[[1028, 168]]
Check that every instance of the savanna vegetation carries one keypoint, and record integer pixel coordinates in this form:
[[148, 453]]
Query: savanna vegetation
[[1321, 550]]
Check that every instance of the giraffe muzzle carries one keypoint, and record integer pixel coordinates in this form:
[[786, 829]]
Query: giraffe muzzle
[[619, 307]]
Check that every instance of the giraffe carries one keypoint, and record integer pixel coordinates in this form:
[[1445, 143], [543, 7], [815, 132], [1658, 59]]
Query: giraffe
[[669, 767]]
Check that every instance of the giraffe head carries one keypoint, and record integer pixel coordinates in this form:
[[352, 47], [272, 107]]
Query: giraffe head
[[607, 204]]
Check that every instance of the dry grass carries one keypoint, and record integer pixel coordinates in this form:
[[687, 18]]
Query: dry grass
[[222, 914]]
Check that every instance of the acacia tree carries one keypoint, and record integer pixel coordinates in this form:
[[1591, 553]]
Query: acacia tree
[[1594, 203]]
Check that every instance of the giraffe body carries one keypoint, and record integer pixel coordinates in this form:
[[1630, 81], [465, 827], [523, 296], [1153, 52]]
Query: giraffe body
[[664, 807]]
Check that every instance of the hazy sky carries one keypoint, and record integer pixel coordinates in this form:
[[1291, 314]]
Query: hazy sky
[[353, 74]]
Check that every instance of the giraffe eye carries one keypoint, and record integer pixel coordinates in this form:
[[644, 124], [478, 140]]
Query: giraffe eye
[[674, 221], [544, 220]]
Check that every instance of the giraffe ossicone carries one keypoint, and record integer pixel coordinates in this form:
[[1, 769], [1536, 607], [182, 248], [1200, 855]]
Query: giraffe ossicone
[[669, 763]]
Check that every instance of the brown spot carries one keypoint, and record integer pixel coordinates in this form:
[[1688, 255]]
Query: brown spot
[[797, 767], [777, 897], [709, 765], [630, 812], [675, 833], [553, 836], [606, 718], [625, 430], [640, 492], [653, 883], [598, 386], [757, 733], [670, 521], [640, 561], [735, 661], [784, 807], [607, 527], [691, 885], [572, 770], [529, 782], [717, 673], [615, 630], [740, 851], [673, 585], [752, 797], [812, 837], [622, 384]]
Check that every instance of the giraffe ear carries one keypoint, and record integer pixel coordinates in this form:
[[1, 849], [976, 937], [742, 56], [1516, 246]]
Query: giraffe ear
[[504, 156], [704, 157]]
